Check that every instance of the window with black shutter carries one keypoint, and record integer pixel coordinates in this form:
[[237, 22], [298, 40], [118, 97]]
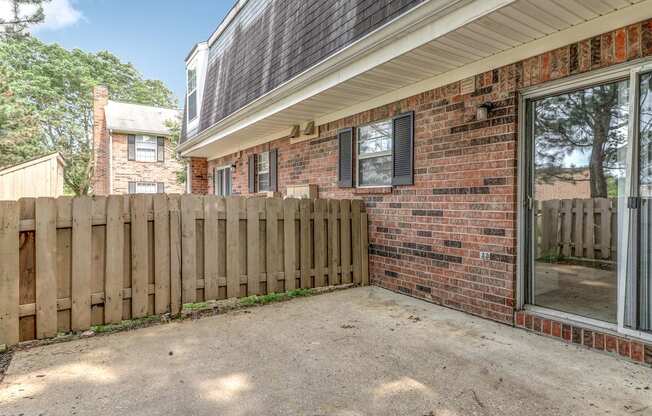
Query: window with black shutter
[[273, 170], [385, 152], [345, 159]]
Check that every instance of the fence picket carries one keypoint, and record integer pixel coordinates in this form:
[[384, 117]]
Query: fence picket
[[274, 255], [334, 242], [356, 206], [345, 238], [589, 229], [114, 260], [364, 238], [9, 272], [253, 246], [188, 249], [175, 254], [232, 247], [139, 256], [320, 249], [161, 254], [567, 210], [46, 279], [304, 225], [210, 248], [81, 264], [289, 251]]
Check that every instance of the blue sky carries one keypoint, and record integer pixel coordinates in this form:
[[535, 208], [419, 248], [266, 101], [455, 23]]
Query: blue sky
[[154, 35]]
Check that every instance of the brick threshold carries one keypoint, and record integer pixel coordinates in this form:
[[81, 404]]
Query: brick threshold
[[584, 335]]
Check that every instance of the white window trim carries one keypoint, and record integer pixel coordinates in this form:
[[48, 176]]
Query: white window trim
[[359, 157], [258, 187], [630, 71], [150, 138], [190, 92], [223, 168], [148, 185]]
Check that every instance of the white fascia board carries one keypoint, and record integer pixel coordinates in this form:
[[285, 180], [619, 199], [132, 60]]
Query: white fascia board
[[613, 21], [421, 25]]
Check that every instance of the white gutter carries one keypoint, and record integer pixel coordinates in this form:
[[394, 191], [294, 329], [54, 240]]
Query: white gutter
[[418, 26]]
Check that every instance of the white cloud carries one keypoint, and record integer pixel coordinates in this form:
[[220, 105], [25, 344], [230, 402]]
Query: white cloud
[[58, 14]]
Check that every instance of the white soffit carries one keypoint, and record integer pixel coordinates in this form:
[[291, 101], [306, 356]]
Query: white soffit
[[486, 35]]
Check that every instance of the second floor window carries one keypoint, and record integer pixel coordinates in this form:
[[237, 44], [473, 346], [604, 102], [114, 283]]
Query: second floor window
[[192, 94], [146, 149]]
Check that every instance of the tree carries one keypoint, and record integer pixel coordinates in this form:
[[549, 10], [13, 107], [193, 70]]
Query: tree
[[54, 87], [24, 13], [175, 136], [591, 120]]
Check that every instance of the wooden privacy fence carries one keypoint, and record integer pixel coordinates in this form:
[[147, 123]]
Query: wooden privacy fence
[[584, 228], [70, 263]]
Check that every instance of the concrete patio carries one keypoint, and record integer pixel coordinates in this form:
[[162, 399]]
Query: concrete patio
[[363, 351]]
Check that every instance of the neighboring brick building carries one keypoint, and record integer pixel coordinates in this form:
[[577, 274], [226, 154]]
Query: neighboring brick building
[[132, 152], [449, 198]]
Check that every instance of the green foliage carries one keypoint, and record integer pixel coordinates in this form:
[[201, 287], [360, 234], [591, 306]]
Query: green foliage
[[175, 136], [52, 87], [16, 26], [195, 306], [126, 325], [274, 297]]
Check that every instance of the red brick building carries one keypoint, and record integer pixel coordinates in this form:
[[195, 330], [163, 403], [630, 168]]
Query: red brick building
[[132, 151], [442, 116]]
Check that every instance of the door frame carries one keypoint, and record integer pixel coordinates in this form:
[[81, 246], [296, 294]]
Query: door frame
[[525, 239]]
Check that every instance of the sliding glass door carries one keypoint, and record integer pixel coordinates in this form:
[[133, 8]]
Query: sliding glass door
[[580, 139], [587, 172], [641, 317]]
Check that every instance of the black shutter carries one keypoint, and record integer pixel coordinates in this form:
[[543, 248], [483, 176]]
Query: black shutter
[[131, 147], [403, 149], [132, 187], [273, 182], [345, 159], [160, 149], [252, 174], [160, 187]]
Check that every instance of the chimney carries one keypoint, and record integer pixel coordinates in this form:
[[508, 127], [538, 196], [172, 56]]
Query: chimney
[[100, 178]]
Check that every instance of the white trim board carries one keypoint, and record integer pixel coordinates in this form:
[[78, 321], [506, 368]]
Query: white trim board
[[600, 25]]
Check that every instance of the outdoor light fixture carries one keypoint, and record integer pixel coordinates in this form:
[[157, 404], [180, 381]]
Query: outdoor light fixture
[[483, 111]]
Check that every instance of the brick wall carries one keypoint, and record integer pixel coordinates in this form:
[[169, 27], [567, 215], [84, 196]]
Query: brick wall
[[198, 175], [100, 179], [125, 171], [426, 239]]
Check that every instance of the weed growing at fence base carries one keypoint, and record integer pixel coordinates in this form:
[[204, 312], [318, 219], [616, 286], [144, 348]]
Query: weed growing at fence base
[[274, 297], [195, 306], [125, 325]]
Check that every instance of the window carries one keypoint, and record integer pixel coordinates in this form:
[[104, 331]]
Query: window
[[375, 154], [262, 169], [146, 187], [146, 149], [192, 94], [222, 181]]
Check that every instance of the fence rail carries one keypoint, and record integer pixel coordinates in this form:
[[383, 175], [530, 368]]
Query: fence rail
[[584, 228], [71, 263]]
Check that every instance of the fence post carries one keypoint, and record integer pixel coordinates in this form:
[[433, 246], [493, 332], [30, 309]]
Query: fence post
[[9, 272]]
